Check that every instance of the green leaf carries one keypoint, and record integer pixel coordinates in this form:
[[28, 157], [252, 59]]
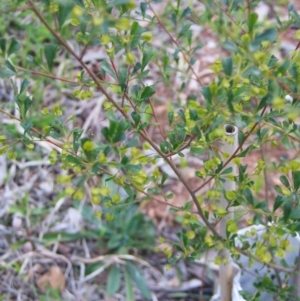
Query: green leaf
[[177, 137], [185, 13], [24, 85], [278, 189], [293, 13], [79, 3], [163, 179], [13, 47], [147, 56], [24, 103], [50, 53], [184, 30], [173, 19], [119, 2], [119, 135], [268, 35], [3, 45], [122, 78], [10, 66], [65, 237], [138, 278], [192, 61], [63, 11], [245, 152], [252, 18], [284, 181], [143, 74], [26, 126], [147, 92], [279, 200], [76, 136], [263, 102], [73, 160], [136, 118], [116, 131], [134, 28], [132, 143], [206, 93], [182, 115], [248, 195], [128, 287], [226, 171], [170, 117], [136, 222], [188, 205], [196, 151], [295, 214], [152, 191], [6, 73], [137, 67], [294, 227], [113, 280], [227, 66], [230, 46], [287, 209], [258, 183], [252, 70], [165, 61], [165, 146], [105, 66], [230, 100], [134, 168], [135, 32], [296, 179], [143, 7]]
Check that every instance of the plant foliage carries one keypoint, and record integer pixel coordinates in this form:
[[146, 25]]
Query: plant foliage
[[248, 88]]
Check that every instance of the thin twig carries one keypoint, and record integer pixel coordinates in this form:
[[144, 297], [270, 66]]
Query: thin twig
[[37, 73], [15, 9], [155, 117], [235, 153], [269, 264], [84, 51], [248, 7], [287, 89], [55, 22], [176, 43], [228, 15], [298, 45], [183, 146], [110, 257]]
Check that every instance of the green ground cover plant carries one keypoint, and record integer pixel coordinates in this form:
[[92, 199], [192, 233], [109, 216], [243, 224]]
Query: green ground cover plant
[[43, 44]]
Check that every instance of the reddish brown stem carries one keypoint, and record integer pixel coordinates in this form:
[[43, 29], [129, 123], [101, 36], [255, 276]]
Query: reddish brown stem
[[155, 117], [235, 152], [176, 43], [231, 19], [37, 73]]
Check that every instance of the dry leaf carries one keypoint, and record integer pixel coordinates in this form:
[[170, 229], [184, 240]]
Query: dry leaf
[[54, 279]]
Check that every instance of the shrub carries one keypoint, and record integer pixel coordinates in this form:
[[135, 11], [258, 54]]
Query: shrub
[[141, 52]]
